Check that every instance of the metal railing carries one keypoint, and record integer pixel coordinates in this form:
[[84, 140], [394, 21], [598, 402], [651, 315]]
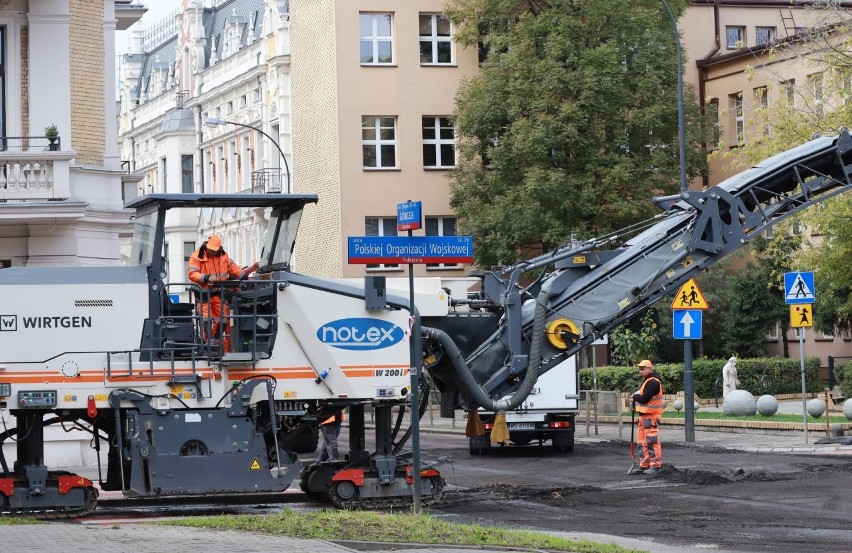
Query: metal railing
[[265, 181], [16, 144]]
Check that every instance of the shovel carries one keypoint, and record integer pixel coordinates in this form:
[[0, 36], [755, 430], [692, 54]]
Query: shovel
[[632, 443]]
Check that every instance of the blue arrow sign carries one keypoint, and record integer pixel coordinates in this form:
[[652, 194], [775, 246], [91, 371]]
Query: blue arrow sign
[[687, 324], [799, 288]]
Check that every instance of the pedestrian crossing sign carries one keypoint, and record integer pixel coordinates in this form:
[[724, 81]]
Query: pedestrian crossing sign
[[799, 288], [801, 316], [689, 296]]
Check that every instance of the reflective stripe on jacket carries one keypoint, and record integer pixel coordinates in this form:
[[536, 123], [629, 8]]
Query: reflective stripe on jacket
[[331, 420], [220, 267], [655, 405]]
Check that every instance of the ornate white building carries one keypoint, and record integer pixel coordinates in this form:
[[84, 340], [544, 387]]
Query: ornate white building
[[60, 196], [228, 60]]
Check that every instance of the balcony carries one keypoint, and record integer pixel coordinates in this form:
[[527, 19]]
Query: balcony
[[265, 181], [34, 168]]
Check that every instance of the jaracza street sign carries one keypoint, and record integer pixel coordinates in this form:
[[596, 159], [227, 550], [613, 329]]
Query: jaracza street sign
[[410, 249]]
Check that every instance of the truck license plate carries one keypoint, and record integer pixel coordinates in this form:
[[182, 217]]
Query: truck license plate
[[522, 426]]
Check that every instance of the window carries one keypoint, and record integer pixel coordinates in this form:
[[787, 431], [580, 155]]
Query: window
[[439, 142], [3, 84], [186, 174], [790, 92], [441, 226], [380, 226], [188, 248], [713, 112], [774, 333], [844, 78], [735, 101], [817, 92], [735, 37], [761, 100], [764, 35], [376, 38], [436, 45], [378, 142], [163, 175]]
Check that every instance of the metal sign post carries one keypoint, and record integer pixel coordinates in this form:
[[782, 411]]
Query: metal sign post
[[409, 217], [800, 294], [687, 318]]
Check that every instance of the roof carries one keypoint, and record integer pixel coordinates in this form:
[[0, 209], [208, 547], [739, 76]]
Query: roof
[[288, 202], [178, 120]]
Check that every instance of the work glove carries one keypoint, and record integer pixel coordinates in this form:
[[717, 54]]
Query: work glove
[[205, 279]]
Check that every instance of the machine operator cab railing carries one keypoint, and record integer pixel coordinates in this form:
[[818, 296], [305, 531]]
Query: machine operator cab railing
[[176, 330]]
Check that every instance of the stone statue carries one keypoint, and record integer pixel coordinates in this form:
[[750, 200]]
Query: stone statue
[[729, 377]]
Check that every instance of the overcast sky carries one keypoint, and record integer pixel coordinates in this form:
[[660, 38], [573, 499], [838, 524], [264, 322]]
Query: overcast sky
[[157, 10]]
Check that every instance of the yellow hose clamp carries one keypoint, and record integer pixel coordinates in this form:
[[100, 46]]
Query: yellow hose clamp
[[556, 327]]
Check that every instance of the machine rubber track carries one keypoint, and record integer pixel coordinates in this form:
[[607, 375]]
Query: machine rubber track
[[387, 503], [89, 505]]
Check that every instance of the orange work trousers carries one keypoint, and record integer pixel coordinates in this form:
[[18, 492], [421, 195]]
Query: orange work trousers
[[649, 438], [211, 313]]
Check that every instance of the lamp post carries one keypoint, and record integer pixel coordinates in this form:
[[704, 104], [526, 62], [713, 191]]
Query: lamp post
[[688, 384], [213, 121]]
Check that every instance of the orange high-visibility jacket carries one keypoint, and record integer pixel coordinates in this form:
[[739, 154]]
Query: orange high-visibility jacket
[[330, 420], [220, 268], [655, 404]]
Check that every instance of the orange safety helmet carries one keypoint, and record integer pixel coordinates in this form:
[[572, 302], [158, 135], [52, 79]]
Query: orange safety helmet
[[214, 243], [645, 363]]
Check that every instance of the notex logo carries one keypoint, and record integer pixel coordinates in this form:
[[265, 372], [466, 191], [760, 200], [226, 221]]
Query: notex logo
[[8, 322], [360, 334]]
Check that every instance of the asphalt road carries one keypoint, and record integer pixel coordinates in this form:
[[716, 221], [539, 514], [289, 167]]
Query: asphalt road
[[706, 496]]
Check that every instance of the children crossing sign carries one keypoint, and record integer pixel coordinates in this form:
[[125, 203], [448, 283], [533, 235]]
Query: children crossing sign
[[801, 316], [689, 296], [799, 288]]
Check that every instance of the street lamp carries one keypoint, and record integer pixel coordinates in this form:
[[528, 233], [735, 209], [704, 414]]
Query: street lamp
[[688, 385], [213, 121], [681, 126]]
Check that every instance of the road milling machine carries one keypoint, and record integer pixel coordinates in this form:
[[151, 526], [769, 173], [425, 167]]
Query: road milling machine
[[109, 350]]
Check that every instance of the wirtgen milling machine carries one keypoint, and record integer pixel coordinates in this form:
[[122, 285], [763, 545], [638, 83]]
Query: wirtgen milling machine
[[106, 349]]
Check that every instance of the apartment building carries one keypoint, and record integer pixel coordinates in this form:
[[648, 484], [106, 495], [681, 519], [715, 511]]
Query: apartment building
[[758, 60], [61, 180], [373, 93]]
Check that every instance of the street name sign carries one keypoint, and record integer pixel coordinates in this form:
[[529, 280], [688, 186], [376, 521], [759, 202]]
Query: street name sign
[[409, 216], [410, 249]]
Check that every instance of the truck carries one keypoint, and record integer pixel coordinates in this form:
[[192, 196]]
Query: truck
[[547, 414], [106, 350]]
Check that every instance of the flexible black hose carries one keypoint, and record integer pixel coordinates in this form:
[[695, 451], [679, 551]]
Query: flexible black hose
[[480, 396]]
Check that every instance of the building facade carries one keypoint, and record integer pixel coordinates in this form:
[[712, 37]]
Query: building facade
[[61, 185], [359, 97], [225, 60]]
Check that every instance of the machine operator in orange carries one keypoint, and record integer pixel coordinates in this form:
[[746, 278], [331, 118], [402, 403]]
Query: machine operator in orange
[[209, 265]]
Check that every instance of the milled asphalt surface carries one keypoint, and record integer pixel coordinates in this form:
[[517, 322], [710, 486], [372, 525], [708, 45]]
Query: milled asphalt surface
[[121, 536]]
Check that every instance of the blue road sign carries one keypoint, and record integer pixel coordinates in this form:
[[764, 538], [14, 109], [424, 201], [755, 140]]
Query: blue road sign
[[687, 324], [409, 216], [410, 249], [799, 288]]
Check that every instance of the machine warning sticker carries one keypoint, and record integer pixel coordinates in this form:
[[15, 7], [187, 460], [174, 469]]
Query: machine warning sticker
[[255, 465], [290, 395]]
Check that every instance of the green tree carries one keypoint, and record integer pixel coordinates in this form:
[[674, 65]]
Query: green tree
[[571, 125], [827, 53]]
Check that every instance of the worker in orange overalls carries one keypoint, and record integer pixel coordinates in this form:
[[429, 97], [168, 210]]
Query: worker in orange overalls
[[649, 405], [209, 265], [329, 431]]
